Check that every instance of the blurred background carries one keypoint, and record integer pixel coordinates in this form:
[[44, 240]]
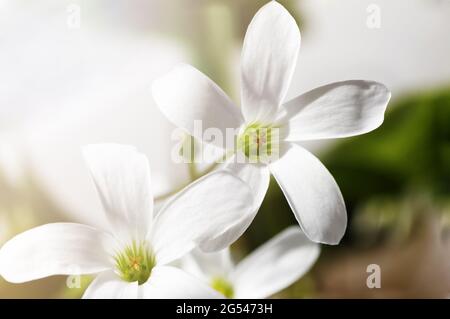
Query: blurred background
[[79, 72]]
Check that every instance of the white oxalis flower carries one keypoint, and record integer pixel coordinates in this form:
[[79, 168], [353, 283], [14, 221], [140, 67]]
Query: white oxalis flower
[[132, 257], [272, 267], [336, 110]]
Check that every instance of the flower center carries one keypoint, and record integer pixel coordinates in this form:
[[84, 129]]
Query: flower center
[[135, 262], [259, 142], [223, 286]]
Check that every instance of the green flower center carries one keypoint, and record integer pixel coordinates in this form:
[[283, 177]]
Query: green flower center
[[259, 142], [135, 262], [223, 286]]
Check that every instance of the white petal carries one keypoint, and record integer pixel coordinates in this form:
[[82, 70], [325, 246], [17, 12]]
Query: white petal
[[168, 282], [55, 249], [188, 98], [201, 213], [275, 265], [122, 177], [108, 285], [335, 110], [269, 57], [258, 178], [313, 195], [208, 265]]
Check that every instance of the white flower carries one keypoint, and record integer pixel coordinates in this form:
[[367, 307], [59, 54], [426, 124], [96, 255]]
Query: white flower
[[336, 110], [132, 256], [269, 269]]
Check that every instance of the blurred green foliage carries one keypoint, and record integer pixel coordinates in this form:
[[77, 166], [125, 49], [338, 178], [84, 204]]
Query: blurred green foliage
[[410, 151], [391, 174]]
